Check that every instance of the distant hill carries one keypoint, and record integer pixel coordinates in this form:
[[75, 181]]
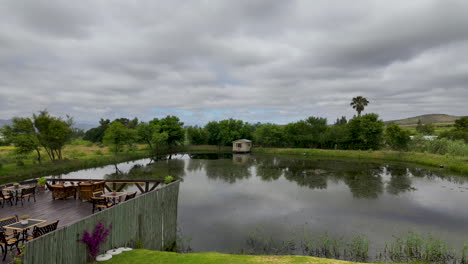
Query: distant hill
[[432, 118]]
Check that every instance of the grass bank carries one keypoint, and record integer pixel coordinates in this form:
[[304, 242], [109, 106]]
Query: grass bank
[[143, 256], [453, 163]]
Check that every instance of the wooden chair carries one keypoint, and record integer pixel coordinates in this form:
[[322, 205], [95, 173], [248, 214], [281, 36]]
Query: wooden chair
[[6, 198], [6, 242], [130, 196], [99, 186], [85, 191], [98, 194], [59, 191], [8, 221], [100, 203], [44, 229], [26, 192]]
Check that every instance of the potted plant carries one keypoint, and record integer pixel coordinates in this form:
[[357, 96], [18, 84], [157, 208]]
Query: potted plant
[[168, 179], [24, 219], [42, 183]]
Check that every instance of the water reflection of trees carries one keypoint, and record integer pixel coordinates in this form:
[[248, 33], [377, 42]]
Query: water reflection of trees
[[364, 183], [228, 171], [304, 173], [400, 180], [364, 179], [153, 170], [267, 168]]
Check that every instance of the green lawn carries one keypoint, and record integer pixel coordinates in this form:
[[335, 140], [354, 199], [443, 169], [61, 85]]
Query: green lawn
[[142, 256]]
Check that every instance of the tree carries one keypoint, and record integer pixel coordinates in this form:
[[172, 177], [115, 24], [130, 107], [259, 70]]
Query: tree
[[366, 132], [222, 133], [197, 135], [174, 129], [462, 124], [41, 132], [53, 133], [307, 133], [337, 136], [96, 134], [397, 138], [152, 134], [425, 129], [24, 136], [359, 103], [269, 135], [213, 130], [459, 132], [341, 121], [117, 136]]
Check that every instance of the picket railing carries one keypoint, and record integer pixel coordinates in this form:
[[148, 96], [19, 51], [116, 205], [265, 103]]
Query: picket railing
[[149, 220]]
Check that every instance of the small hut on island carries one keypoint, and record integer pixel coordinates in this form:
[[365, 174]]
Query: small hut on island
[[241, 146]]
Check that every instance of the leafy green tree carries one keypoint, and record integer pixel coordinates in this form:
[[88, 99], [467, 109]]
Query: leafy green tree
[[359, 103], [197, 135], [341, 121], [425, 129], [96, 134], [269, 135], [337, 136], [41, 132], [24, 136], [152, 134], [174, 129], [462, 124], [397, 138], [307, 133], [117, 136], [222, 133], [366, 132], [298, 134], [459, 132], [213, 131], [132, 124], [53, 133]]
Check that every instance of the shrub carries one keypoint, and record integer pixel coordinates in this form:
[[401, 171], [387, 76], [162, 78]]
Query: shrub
[[168, 179], [397, 138], [93, 241]]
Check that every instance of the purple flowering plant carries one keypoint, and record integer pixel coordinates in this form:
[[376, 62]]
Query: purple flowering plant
[[93, 241]]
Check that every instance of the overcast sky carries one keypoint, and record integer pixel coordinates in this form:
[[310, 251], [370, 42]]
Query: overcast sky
[[267, 61]]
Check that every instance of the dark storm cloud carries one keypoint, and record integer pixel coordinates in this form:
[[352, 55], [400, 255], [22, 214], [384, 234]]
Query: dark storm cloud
[[269, 61]]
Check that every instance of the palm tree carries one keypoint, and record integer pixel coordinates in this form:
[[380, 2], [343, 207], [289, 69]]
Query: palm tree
[[359, 103]]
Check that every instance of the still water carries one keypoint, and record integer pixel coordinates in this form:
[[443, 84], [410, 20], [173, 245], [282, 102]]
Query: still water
[[223, 198]]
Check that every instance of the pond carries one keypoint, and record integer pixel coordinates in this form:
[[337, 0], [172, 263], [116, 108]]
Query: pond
[[224, 199]]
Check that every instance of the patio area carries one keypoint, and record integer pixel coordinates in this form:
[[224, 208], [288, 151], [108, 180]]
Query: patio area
[[45, 208]]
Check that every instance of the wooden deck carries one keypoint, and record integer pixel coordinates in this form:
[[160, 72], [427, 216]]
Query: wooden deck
[[67, 211]]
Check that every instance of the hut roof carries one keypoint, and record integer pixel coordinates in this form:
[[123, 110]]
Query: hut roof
[[242, 141]]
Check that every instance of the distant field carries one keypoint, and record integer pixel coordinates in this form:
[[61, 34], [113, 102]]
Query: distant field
[[438, 127]]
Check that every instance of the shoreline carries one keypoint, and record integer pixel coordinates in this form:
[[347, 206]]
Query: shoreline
[[450, 163]]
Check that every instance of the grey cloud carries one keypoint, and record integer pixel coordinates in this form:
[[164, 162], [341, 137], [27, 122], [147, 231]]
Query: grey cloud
[[268, 61]]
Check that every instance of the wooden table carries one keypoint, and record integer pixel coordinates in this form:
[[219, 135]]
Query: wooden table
[[15, 190], [24, 228], [114, 195]]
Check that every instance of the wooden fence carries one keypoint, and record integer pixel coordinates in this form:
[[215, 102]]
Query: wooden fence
[[149, 219]]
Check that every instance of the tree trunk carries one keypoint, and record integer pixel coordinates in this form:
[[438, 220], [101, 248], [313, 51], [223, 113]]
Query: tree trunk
[[38, 155]]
